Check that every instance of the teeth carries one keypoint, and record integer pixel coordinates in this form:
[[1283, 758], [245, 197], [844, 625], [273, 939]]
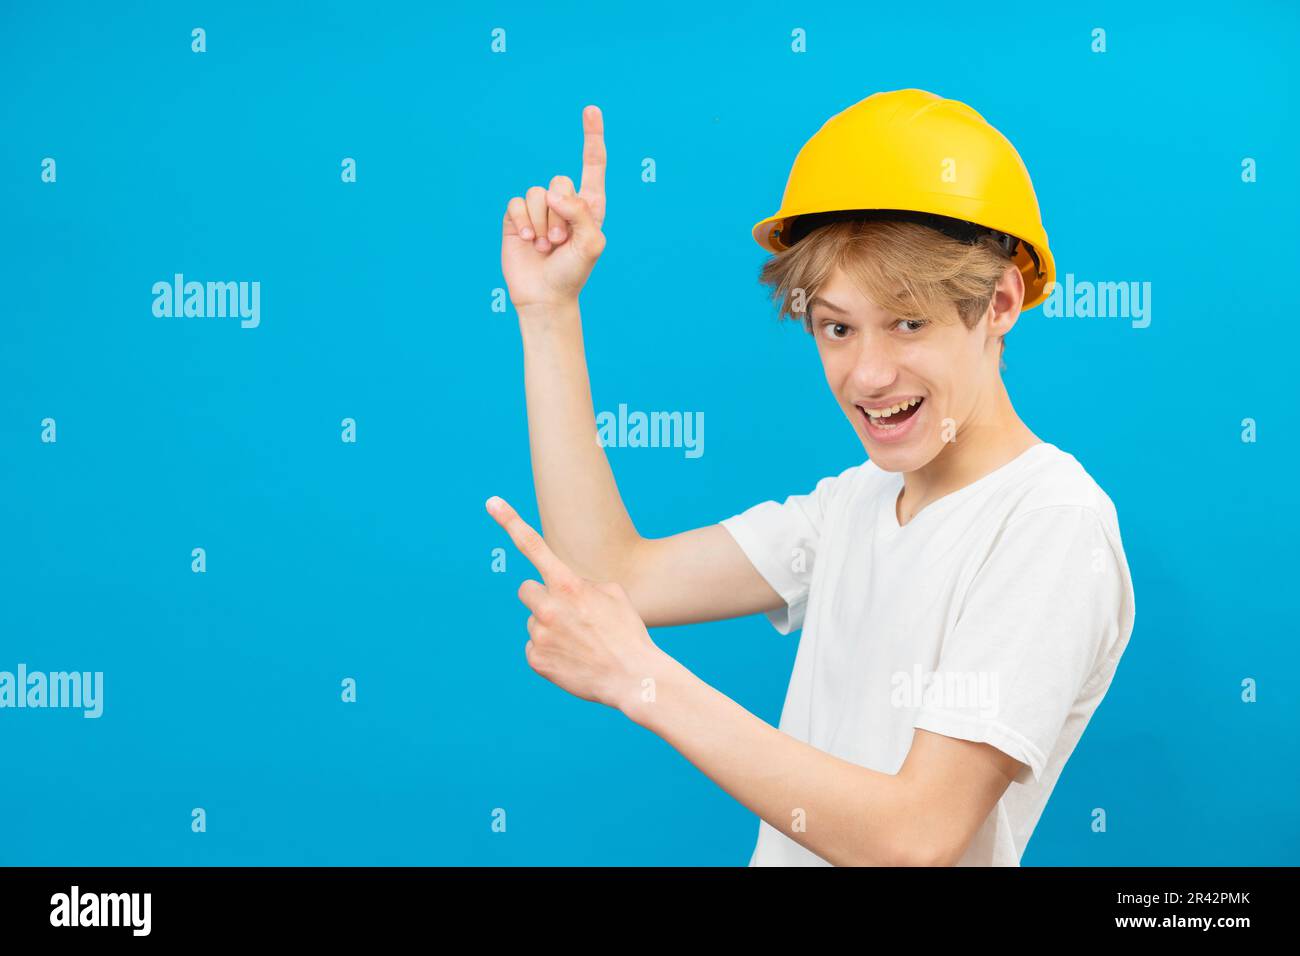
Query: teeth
[[892, 410]]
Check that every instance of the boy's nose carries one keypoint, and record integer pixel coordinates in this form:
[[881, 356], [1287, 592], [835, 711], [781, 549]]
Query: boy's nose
[[875, 368]]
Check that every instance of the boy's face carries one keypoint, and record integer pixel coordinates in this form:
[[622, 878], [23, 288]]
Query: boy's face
[[874, 361]]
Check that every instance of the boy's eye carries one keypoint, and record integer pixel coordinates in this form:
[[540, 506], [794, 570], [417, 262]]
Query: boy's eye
[[838, 330]]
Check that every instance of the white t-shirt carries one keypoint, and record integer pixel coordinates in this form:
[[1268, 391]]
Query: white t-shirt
[[997, 614]]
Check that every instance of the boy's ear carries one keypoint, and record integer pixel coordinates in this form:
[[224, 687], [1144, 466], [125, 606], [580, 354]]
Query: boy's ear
[[1014, 283], [1008, 296]]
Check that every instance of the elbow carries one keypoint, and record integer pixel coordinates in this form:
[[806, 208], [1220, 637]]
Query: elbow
[[921, 840], [914, 852], [615, 563], [620, 562], [925, 833], [906, 849], [942, 855]]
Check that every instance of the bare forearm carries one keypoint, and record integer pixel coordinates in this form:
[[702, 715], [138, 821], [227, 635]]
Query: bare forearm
[[583, 516], [850, 815]]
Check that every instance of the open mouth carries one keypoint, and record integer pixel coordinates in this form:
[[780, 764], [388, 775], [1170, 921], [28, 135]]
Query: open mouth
[[891, 420]]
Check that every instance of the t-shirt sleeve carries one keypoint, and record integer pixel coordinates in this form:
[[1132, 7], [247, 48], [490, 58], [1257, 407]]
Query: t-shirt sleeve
[[1047, 608], [781, 540]]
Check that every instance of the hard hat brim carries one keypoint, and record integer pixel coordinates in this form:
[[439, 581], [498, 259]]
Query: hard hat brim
[[1038, 277]]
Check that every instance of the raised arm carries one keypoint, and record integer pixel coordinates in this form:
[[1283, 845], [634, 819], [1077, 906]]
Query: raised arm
[[551, 240]]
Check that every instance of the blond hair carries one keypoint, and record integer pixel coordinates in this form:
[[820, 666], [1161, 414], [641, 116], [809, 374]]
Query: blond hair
[[909, 270]]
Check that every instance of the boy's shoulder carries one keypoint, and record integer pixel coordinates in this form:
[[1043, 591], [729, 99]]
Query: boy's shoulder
[[1056, 478]]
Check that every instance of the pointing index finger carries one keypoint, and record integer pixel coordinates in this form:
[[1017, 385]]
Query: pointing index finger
[[530, 544], [593, 155]]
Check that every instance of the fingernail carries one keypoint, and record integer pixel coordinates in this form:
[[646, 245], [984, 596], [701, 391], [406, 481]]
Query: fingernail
[[527, 232], [556, 234], [493, 503]]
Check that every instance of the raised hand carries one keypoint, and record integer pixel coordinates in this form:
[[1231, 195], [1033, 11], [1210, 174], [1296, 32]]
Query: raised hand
[[551, 238], [583, 636]]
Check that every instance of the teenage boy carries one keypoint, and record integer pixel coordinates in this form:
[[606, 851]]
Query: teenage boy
[[963, 593]]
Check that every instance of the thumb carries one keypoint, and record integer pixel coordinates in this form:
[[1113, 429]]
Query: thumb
[[577, 214]]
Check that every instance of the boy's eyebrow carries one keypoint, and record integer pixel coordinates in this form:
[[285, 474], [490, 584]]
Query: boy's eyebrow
[[831, 306], [818, 300]]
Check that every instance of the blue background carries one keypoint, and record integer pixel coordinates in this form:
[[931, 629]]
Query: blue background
[[372, 560]]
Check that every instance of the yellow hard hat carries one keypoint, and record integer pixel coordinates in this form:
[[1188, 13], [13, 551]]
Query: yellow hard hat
[[912, 155]]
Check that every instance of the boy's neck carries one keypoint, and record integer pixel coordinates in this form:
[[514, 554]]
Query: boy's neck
[[984, 445]]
